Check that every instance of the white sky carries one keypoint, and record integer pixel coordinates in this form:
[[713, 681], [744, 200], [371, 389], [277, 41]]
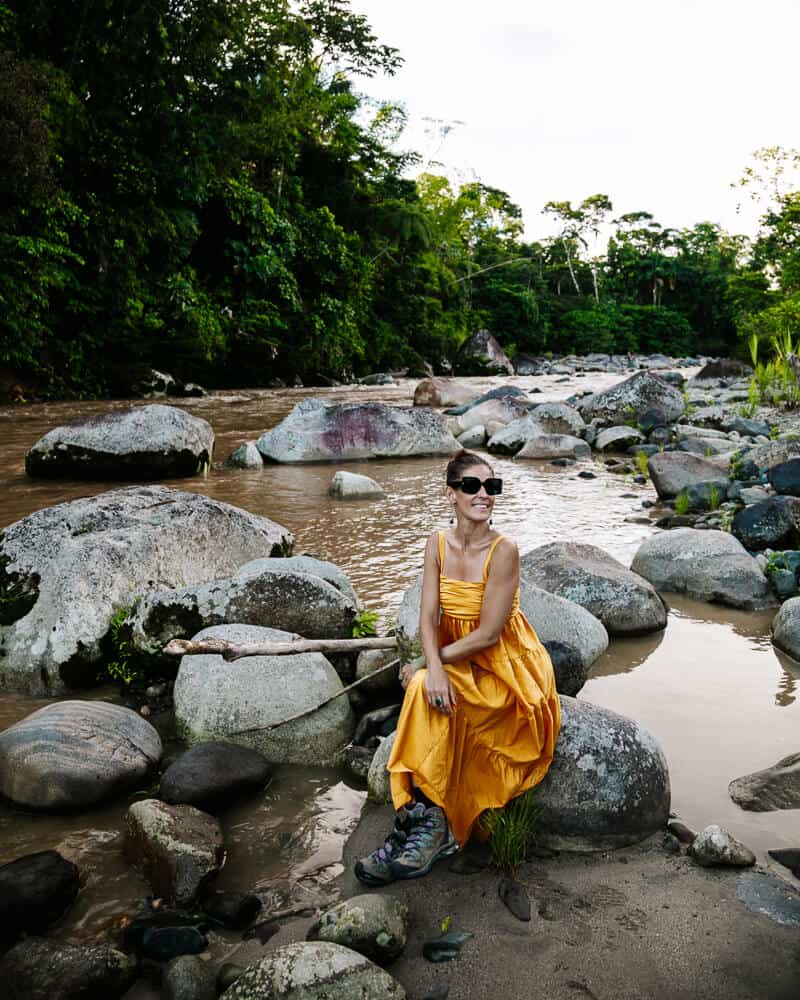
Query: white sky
[[657, 105]]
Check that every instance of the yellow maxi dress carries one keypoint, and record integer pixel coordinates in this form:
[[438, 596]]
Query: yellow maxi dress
[[500, 741]]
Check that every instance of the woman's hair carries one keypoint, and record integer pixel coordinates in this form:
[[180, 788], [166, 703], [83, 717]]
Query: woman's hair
[[461, 461]]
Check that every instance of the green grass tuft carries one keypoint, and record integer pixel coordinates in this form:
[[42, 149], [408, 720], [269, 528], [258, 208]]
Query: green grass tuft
[[510, 830], [682, 503]]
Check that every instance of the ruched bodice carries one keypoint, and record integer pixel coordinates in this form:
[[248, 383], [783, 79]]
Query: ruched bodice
[[500, 740]]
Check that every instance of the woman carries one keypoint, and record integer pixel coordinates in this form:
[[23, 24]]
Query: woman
[[479, 724]]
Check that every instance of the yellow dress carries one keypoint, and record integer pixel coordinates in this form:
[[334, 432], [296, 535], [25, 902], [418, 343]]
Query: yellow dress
[[500, 741]]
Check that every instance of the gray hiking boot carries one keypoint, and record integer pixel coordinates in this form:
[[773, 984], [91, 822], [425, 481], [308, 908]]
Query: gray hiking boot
[[376, 868], [428, 840]]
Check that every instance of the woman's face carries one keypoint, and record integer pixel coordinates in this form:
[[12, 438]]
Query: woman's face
[[478, 506]]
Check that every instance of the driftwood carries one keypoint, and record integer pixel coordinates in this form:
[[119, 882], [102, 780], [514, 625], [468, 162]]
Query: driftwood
[[234, 651]]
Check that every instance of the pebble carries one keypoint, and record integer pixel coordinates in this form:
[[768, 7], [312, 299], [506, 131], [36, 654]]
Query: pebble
[[715, 846], [446, 947], [144, 711], [516, 898]]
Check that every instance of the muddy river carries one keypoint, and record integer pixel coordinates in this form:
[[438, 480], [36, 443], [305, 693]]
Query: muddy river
[[713, 690]]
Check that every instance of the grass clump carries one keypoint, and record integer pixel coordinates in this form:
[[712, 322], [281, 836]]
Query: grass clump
[[510, 830], [714, 498], [121, 666], [641, 463], [365, 624], [682, 503]]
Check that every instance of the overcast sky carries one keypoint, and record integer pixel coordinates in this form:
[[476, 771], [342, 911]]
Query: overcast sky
[[657, 105]]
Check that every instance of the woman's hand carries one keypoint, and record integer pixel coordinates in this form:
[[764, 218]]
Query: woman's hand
[[439, 690]]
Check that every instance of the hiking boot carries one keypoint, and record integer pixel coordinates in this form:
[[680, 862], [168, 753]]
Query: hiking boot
[[376, 868], [429, 839]]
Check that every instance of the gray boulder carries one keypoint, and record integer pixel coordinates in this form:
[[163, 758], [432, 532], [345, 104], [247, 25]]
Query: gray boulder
[[627, 400], [509, 439], [674, 471], [554, 446], [749, 428], [618, 438], [143, 442], [66, 570], [559, 418], [475, 437], [608, 785], [246, 456], [188, 977], [499, 392], [267, 594], [178, 848], [624, 602], [776, 787], [371, 660], [35, 890], [786, 627], [332, 432], [705, 446], [254, 700], [481, 354], [438, 392], [351, 486], [784, 478], [373, 925], [378, 788], [715, 846], [211, 776], [493, 413], [766, 456], [76, 753], [773, 523], [707, 565], [309, 565], [710, 416], [314, 970], [41, 969]]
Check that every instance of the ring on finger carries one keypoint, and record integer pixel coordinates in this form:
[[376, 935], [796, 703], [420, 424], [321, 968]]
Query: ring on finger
[[437, 701]]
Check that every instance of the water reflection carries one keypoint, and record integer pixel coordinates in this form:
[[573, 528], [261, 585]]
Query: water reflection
[[787, 684], [626, 654]]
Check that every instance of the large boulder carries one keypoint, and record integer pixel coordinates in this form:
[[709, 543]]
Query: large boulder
[[179, 848], [509, 439], [75, 753], [554, 446], [673, 472], [784, 478], [625, 402], [776, 787], [144, 442], [314, 970], [481, 354], [373, 925], [41, 969], [35, 890], [764, 457], [559, 418], [608, 785], [786, 627], [310, 566], [332, 432], [493, 413], [211, 776], [254, 700], [727, 368], [439, 392], [499, 392], [624, 602], [707, 565], [773, 523], [265, 592], [66, 570], [378, 783], [618, 438]]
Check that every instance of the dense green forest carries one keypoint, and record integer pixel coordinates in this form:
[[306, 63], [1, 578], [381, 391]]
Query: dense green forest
[[200, 185]]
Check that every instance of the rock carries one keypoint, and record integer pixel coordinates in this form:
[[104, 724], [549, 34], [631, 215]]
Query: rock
[[267, 594], [776, 787], [554, 446], [764, 457], [377, 378], [35, 890], [144, 442], [706, 496], [715, 846], [370, 660], [713, 416], [445, 947], [493, 413], [357, 761], [378, 789], [769, 524], [707, 447], [769, 896], [624, 402], [150, 383], [784, 478], [164, 943], [786, 627], [189, 978], [673, 472], [624, 602], [749, 428], [706, 565], [570, 669], [499, 392], [309, 565], [515, 897], [213, 775], [314, 971], [608, 785], [509, 439], [481, 354], [350, 486], [75, 753], [228, 973], [438, 392], [373, 925], [475, 437], [41, 969], [332, 432], [66, 570], [526, 365], [234, 910], [617, 438], [789, 858], [246, 456], [218, 700], [179, 848], [723, 368], [559, 418], [191, 390]]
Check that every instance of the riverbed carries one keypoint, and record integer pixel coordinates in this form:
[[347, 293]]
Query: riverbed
[[711, 687]]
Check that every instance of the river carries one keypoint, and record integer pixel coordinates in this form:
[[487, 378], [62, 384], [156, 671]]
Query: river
[[711, 687]]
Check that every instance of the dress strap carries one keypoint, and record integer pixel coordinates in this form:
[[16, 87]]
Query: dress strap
[[489, 557], [441, 553]]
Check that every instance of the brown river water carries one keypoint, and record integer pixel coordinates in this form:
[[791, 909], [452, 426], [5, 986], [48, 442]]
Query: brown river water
[[713, 690]]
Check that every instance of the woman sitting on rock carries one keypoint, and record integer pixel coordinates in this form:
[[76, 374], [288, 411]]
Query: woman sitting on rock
[[479, 724]]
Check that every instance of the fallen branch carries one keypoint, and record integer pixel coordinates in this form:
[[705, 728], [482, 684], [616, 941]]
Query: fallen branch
[[393, 665], [234, 651]]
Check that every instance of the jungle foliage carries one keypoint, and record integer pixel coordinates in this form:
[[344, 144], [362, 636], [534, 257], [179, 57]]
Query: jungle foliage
[[199, 186]]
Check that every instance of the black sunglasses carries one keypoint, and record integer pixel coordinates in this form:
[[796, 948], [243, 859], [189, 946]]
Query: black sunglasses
[[472, 485]]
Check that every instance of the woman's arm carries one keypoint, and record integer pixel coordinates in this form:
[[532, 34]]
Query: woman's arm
[[501, 586], [438, 689]]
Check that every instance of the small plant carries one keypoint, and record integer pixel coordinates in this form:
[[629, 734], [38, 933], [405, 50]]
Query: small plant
[[726, 520], [444, 926], [682, 503], [121, 667], [510, 830], [641, 463], [365, 624], [708, 452], [714, 498], [774, 432]]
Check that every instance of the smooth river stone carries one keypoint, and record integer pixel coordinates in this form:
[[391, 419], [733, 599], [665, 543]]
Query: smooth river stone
[[627, 400], [76, 753]]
